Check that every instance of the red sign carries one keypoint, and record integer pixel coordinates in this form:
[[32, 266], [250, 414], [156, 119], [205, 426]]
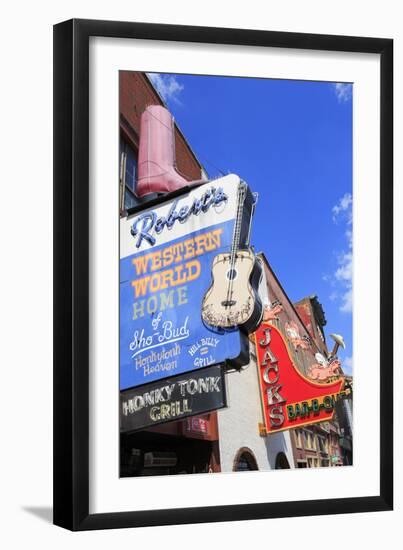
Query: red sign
[[289, 398], [197, 424]]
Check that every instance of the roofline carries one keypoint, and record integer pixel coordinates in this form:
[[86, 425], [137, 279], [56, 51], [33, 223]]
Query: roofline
[[313, 299], [266, 261]]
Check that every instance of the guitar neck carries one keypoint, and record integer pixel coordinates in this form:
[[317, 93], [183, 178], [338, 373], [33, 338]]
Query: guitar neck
[[238, 222]]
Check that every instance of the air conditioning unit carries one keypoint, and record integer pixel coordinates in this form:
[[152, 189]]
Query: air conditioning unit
[[158, 459]]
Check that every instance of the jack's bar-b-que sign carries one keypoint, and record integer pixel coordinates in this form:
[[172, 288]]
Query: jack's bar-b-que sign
[[173, 398], [289, 399]]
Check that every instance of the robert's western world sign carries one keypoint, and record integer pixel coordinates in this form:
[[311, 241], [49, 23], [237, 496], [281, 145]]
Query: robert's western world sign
[[172, 399], [165, 269]]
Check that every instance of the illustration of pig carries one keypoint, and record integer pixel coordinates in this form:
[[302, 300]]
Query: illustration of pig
[[320, 372]]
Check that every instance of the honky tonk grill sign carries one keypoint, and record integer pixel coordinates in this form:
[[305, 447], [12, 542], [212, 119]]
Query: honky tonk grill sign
[[174, 398], [289, 399]]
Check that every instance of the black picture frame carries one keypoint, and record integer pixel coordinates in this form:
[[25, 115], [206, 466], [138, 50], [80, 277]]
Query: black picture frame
[[71, 274]]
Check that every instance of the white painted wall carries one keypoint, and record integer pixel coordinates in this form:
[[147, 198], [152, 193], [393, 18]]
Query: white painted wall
[[238, 424]]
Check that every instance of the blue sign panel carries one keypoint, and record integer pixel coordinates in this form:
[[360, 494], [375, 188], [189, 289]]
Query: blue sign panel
[[161, 292]]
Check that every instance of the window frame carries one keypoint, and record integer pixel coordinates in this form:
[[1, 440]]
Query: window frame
[[124, 187]]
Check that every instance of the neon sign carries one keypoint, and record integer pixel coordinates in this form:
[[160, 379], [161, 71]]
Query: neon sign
[[149, 221], [289, 399]]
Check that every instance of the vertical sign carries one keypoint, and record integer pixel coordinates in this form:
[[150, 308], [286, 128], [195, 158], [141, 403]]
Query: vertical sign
[[289, 399]]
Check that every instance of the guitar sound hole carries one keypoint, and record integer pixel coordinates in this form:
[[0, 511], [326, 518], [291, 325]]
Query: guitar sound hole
[[231, 274], [228, 303]]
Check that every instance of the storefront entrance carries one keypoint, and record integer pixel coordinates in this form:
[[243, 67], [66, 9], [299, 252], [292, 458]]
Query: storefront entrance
[[148, 454]]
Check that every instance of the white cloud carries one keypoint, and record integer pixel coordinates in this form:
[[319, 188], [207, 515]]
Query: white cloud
[[347, 302], [347, 364], [333, 296], [167, 86], [344, 273], [342, 278], [349, 237], [343, 209], [343, 92], [348, 361]]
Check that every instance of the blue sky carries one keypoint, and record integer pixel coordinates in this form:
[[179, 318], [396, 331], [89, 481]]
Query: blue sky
[[292, 142]]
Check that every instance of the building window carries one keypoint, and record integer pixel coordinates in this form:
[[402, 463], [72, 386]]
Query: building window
[[323, 447], [245, 461], [128, 175], [130, 201], [298, 439], [313, 462], [309, 440]]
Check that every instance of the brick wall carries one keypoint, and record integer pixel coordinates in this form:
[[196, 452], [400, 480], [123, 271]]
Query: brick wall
[[135, 94]]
